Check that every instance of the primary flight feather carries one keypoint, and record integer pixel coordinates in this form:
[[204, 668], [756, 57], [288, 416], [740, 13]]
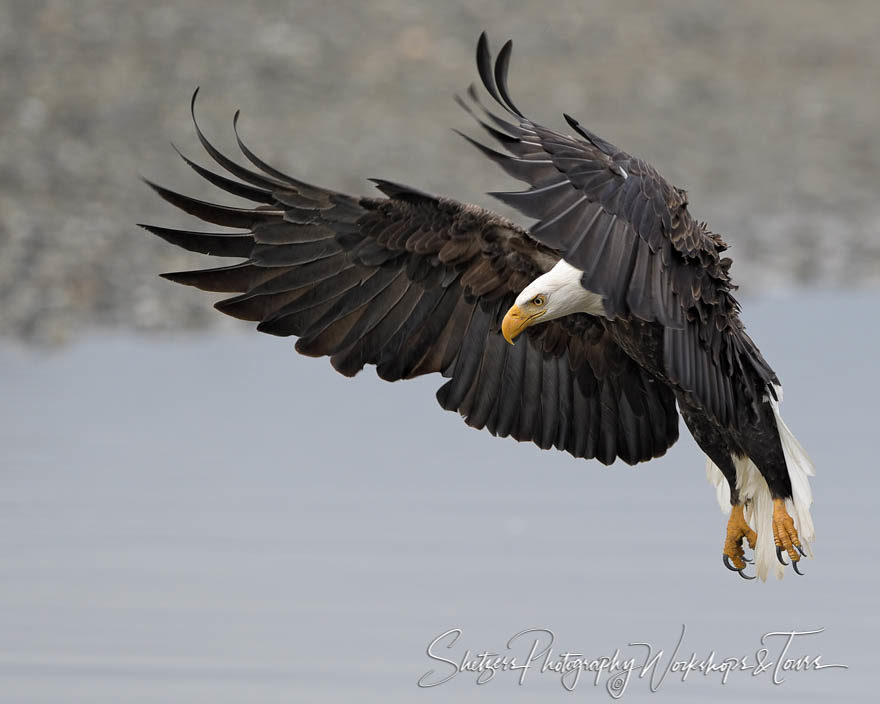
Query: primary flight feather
[[619, 301]]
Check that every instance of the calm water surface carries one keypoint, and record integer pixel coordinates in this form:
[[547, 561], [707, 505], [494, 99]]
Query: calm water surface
[[216, 519]]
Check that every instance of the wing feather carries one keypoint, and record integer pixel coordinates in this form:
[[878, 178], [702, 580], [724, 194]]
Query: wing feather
[[614, 217], [417, 284]]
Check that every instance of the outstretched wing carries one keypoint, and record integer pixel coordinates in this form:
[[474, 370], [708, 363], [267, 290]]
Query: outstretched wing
[[614, 217], [415, 284]]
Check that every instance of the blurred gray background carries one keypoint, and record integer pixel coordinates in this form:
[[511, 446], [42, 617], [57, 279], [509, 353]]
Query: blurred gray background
[[203, 515], [766, 112]]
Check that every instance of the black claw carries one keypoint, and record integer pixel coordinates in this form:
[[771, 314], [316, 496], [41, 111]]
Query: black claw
[[727, 564], [795, 568], [801, 551], [751, 562], [779, 556], [744, 575]]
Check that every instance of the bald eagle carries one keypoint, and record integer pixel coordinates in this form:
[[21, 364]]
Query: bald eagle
[[616, 305]]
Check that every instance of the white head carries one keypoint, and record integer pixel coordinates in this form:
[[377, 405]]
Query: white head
[[557, 293]]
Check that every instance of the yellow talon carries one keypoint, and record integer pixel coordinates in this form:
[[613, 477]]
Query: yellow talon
[[785, 534], [737, 529]]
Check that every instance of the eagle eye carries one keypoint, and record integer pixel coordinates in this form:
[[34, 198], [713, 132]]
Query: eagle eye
[[538, 300]]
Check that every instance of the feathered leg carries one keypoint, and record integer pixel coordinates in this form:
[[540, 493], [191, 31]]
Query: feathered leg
[[766, 453], [720, 462]]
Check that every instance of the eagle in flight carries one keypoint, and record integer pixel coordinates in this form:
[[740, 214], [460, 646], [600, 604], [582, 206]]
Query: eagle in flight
[[581, 332]]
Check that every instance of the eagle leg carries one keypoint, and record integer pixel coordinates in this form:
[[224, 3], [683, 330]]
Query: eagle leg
[[737, 529], [785, 535]]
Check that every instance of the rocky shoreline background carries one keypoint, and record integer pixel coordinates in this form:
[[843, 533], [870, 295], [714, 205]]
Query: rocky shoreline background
[[766, 112]]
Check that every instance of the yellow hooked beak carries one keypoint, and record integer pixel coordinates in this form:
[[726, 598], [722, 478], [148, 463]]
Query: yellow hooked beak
[[516, 320]]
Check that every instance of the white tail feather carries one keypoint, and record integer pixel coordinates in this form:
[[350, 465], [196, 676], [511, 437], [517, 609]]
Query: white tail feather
[[722, 489], [800, 469], [758, 509]]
